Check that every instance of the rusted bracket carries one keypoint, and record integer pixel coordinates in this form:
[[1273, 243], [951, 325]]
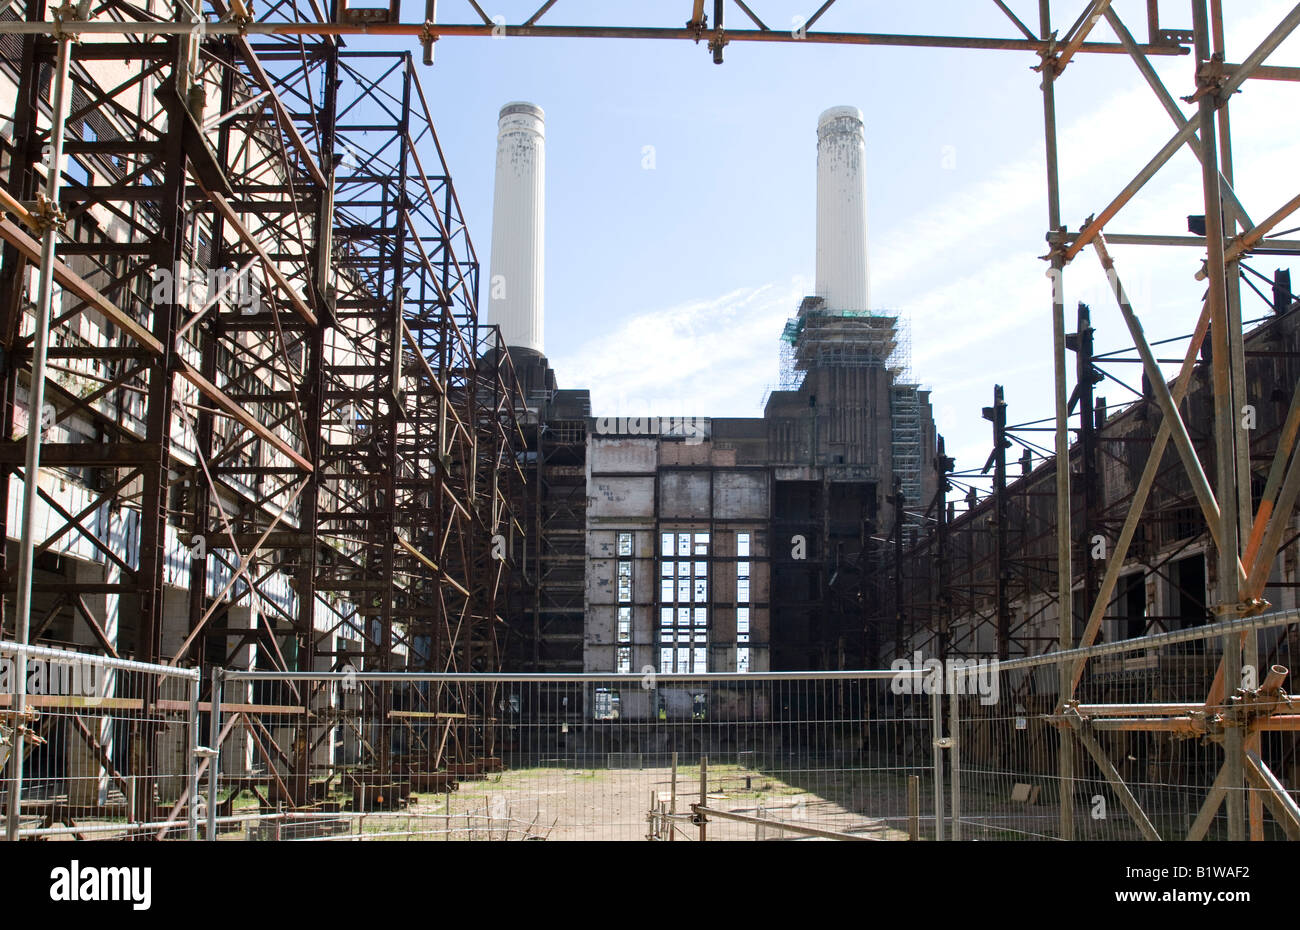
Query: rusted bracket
[[1210, 78], [241, 14], [20, 726], [1049, 57], [46, 215], [427, 38], [1250, 607], [69, 11], [1059, 240], [698, 21]]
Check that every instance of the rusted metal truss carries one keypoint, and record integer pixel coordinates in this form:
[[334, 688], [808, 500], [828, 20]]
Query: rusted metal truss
[[345, 432], [1228, 485], [268, 373]]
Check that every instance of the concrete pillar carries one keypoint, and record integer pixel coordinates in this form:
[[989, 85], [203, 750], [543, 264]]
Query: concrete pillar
[[347, 750], [174, 737], [88, 780]]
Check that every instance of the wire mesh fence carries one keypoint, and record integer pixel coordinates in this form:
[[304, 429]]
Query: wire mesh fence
[[107, 746], [475, 757], [927, 750], [1150, 729]]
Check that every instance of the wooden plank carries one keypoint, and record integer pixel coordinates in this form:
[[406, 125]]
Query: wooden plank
[[228, 708], [79, 702]]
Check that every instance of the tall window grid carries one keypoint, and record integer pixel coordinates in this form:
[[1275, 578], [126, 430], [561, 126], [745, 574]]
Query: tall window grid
[[742, 602], [624, 630], [683, 602]]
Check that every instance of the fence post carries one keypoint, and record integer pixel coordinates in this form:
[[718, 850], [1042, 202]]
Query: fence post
[[954, 759], [672, 808], [18, 719], [214, 761], [703, 820], [192, 816], [914, 807], [936, 705]]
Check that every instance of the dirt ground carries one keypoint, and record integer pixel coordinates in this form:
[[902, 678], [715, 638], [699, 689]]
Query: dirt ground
[[612, 804]]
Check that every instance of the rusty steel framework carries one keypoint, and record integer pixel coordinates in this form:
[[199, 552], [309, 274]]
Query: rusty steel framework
[[332, 442], [364, 491]]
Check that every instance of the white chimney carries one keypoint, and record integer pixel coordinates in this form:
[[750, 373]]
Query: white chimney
[[842, 209], [515, 285]]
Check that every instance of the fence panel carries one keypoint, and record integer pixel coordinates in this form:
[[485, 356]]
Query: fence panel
[[112, 749], [1148, 746], [475, 757], [108, 745]]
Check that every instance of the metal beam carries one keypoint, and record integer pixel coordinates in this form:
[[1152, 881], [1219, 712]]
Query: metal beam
[[1112, 776]]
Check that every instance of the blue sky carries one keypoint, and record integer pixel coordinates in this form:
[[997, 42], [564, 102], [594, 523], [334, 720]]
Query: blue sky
[[666, 289]]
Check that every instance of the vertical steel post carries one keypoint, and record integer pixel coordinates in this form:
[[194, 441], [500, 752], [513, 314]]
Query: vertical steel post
[[1222, 340], [672, 802], [701, 818], [35, 418], [192, 816], [1237, 362], [936, 730], [954, 759], [945, 466], [913, 807], [214, 737], [1064, 568], [1081, 343], [997, 415], [897, 501]]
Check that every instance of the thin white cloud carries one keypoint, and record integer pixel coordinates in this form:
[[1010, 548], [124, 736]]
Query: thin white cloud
[[711, 357], [967, 274]]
